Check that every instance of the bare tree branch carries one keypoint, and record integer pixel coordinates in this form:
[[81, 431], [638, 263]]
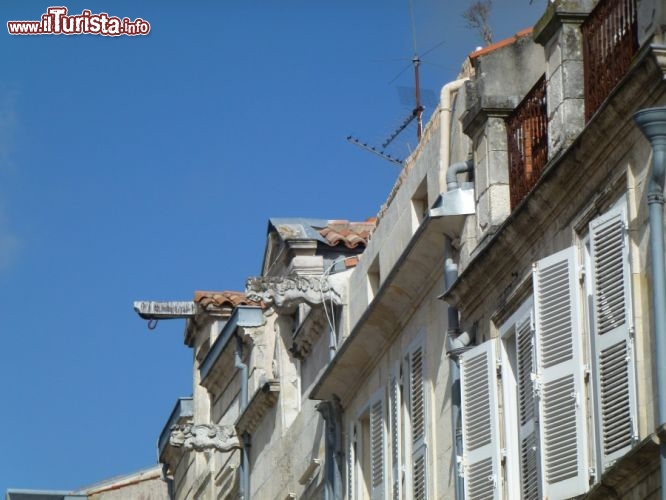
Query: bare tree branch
[[478, 18]]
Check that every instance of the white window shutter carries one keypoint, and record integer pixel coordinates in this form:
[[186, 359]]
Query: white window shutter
[[480, 422], [377, 450], [527, 421], [395, 422], [614, 372], [351, 463], [418, 419], [561, 370]]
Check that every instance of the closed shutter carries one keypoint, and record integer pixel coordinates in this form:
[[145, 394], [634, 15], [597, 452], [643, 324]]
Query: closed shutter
[[351, 462], [418, 420], [529, 483], [480, 422], [613, 344], [395, 422], [561, 369], [377, 450]]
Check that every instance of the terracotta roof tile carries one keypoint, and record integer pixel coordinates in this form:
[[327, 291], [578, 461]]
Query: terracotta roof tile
[[349, 234], [215, 300], [500, 44]]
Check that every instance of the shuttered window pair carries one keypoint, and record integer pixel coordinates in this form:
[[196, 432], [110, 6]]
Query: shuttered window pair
[[396, 445], [551, 367]]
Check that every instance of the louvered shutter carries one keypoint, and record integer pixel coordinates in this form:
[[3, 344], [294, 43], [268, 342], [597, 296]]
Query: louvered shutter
[[561, 367], [418, 420], [529, 482], [480, 422], [395, 422], [351, 463], [377, 450], [613, 344]]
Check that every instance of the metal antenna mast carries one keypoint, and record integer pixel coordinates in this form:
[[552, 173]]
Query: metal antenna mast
[[416, 61], [417, 112]]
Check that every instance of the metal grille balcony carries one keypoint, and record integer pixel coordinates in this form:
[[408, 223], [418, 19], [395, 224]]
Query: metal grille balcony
[[527, 129], [609, 45]]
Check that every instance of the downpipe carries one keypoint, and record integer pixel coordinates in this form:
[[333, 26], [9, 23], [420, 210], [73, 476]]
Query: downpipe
[[652, 122], [244, 486], [456, 341]]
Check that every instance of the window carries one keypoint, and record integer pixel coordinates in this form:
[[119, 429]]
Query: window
[[387, 444], [609, 293], [518, 342], [366, 456], [555, 378]]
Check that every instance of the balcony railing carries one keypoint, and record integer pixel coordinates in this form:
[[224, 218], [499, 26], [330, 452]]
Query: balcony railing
[[609, 45], [527, 129]]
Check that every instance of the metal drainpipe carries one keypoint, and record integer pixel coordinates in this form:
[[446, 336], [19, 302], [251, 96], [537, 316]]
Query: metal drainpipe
[[244, 486], [652, 122], [456, 341]]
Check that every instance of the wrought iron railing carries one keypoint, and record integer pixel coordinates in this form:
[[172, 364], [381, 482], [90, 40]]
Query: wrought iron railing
[[609, 44], [527, 129]]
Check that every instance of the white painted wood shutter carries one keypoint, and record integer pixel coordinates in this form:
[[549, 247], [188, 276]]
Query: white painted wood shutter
[[351, 462], [527, 415], [377, 449], [395, 423], [480, 422], [614, 371], [561, 370], [418, 419]]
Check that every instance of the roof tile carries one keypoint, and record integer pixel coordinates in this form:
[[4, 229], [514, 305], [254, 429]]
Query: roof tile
[[349, 234], [500, 44], [216, 300]]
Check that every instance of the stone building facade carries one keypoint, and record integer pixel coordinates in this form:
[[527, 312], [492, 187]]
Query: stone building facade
[[490, 335], [141, 485]]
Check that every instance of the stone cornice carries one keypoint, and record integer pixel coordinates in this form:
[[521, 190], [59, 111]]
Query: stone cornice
[[204, 437], [262, 401], [286, 292]]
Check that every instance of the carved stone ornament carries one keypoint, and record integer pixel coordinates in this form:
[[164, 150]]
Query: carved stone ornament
[[288, 291], [201, 437]]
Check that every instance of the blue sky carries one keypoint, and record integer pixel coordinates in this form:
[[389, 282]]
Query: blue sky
[[146, 168]]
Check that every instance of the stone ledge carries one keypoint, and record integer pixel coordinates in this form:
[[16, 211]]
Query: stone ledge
[[262, 401]]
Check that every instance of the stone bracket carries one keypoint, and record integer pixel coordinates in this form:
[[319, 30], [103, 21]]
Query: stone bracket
[[204, 437], [286, 292]]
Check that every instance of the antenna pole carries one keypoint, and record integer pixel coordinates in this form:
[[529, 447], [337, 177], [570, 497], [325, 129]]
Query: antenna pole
[[418, 110]]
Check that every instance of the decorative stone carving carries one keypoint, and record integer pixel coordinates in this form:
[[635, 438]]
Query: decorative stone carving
[[201, 437], [289, 291]]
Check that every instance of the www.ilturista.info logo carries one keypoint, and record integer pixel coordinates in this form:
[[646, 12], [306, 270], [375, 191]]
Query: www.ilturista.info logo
[[56, 22]]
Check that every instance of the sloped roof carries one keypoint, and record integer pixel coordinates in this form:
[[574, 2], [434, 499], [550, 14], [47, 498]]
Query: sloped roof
[[330, 232]]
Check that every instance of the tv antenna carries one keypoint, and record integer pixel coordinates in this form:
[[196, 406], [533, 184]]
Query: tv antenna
[[416, 113]]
